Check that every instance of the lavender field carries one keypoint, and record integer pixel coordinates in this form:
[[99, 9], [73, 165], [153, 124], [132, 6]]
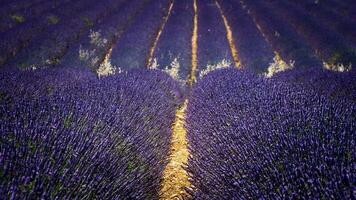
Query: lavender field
[[178, 99]]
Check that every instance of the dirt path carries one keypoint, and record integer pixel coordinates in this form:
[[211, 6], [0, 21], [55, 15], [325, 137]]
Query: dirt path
[[175, 178]]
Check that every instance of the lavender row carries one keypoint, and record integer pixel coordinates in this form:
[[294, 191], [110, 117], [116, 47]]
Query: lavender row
[[345, 8], [352, 11], [329, 46], [254, 51], [334, 85], [254, 138], [132, 49], [282, 36], [26, 14], [342, 8], [9, 6], [213, 46], [326, 16], [12, 41], [180, 27], [49, 47], [78, 137], [94, 45]]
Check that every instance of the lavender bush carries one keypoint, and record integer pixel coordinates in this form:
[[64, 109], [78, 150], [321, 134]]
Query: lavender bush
[[334, 85], [255, 138], [65, 134]]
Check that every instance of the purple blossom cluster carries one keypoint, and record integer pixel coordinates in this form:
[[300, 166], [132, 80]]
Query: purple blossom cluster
[[67, 135], [257, 138], [334, 85]]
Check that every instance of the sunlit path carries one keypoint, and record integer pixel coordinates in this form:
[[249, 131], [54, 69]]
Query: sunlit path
[[152, 50], [105, 67], [230, 38], [177, 99], [175, 178], [194, 45]]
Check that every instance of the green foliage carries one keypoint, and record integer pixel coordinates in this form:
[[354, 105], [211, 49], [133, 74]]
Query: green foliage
[[88, 22], [32, 146], [18, 18], [98, 126], [131, 166], [334, 58], [28, 187], [68, 120], [52, 19], [50, 89], [4, 98], [24, 64], [56, 189]]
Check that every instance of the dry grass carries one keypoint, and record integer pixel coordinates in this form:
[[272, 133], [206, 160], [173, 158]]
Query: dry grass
[[106, 68], [338, 67], [278, 65]]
